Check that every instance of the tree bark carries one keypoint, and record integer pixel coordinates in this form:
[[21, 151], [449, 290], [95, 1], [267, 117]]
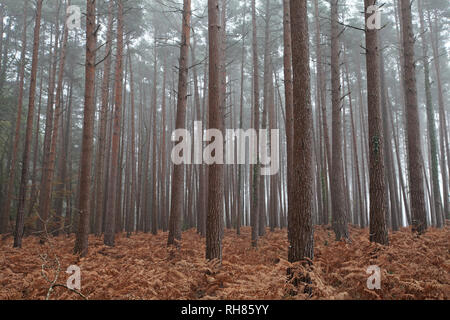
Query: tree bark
[[178, 170], [378, 200], [81, 242], [215, 180], [18, 232], [418, 212], [300, 225], [4, 223], [337, 192]]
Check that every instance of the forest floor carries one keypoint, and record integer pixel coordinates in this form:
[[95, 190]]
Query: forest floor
[[143, 267]]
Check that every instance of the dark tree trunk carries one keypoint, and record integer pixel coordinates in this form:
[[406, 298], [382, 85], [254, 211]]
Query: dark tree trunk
[[215, 180], [18, 232], [378, 201], [418, 211], [178, 170], [81, 243], [300, 225]]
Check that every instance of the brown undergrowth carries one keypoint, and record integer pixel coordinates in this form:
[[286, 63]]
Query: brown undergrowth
[[142, 267]]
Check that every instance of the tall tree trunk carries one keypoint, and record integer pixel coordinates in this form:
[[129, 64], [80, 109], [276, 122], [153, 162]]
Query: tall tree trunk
[[132, 211], [178, 170], [436, 201], [154, 173], [110, 219], [419, 217], [300, 225], [18, 232], [323, 104], [388, 154], [216, 186], [378, 201], [255, 210], [164, 194], [44, 194], [99, 167], [360, 204], [240, 187], [202, 186], [337, 192], [47, 195], [81, 242], [444, 144], [12, 170]]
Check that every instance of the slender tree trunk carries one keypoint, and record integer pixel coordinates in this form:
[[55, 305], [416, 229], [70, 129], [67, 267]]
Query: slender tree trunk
[[360, 204], [178, 170], [216, 186], [47, 195], [18, 232], [110, 219], [436, 201], [164, 194], [444, 144], [132, 212], [323, 103], [12, 170], [240, 188], [419, 218], [154, 173], [388, 154], [337, 192], [255, 210], [99, 167], [378, 200], [81, 243]]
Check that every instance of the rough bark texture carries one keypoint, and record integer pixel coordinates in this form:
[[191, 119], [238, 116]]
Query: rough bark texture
[[215, 179], [18, 232], [416, 183], [300, 225], [378, 201], [110, 219], [337, 171], [176, 205], [81, 242]]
